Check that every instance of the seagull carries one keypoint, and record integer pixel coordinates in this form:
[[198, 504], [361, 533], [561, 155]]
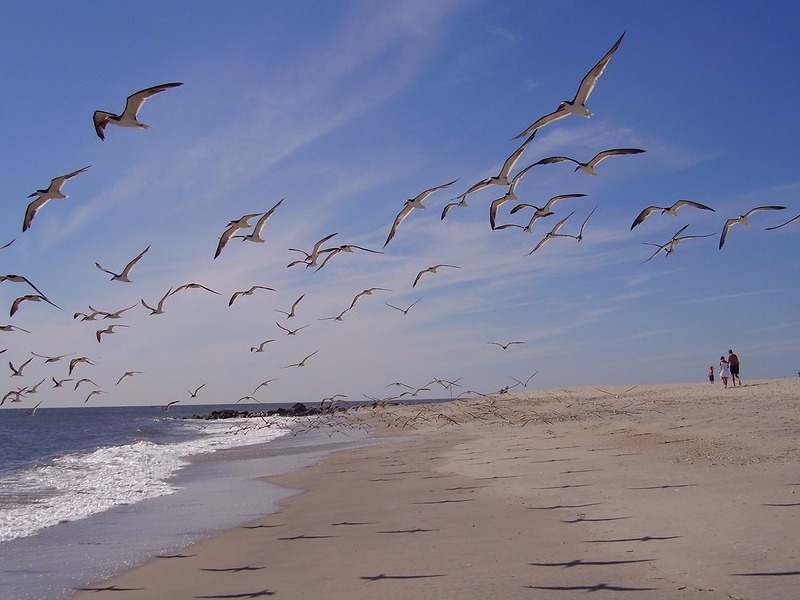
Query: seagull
[[743, 219], [260, 347], [159, 309], [109, 329], [588, 167], [187, 286], [17, 371], [291, 331], [782, 224], [669, 210], [242, 222], [28, 297], [366, 292], [255, 234], [123, 276], [402, 310], [128, 374], [551, 234], [193, 394], [431, 269], [500, 179], [132, 105], [302, 363], [506, 345], [44, 196], [75, 361], [289, 314], [669, 246], [248, 292], [410, 205], [578, 104]]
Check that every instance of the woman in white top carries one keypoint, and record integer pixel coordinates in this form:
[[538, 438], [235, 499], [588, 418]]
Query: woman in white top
[[724, 371]]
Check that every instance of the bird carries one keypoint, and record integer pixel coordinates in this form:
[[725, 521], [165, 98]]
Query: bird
[[505, 346], [263, 384], [194, 286], [123, 276], [544, 211], [84, 380], [311, 257], [782, 224], [242, 222], [91, 315], [59, 382], [159, 309], [431, 269], [366, 292], [12, 328], [255, 234], [577, 106], [92, 393], [168, 404], [291, 331], [128, 118], [743, 219], [260, 347], [248, 292], [336, 318], [410, 205], [500, 179], [403, 310], [127, 374], [302, 363], [49, 359], [669, 210], [44, 196], [21, 279], [551, 234], [511, 194], [193, 394], [578, 237], [28, 297], [669, 246], [17, 371], [344, 248], [117, 314], [589, 167], [75, 361], [109, 329], [290, 313]]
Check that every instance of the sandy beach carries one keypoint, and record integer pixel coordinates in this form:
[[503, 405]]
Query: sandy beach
[[662, 491]]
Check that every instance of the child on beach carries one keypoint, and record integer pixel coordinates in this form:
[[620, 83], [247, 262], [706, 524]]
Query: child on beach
[[724, 371], [711, 373]]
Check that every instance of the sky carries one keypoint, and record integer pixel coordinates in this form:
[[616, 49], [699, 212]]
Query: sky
[[343, 111]]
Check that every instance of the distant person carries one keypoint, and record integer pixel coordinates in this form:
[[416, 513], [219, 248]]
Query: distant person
[[733, 364], [724, 371], [711, 373]]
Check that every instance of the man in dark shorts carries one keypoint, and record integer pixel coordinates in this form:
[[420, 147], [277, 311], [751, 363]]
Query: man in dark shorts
[[733, 363]]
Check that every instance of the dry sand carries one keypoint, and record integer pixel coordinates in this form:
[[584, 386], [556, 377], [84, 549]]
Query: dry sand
[[661, 491]]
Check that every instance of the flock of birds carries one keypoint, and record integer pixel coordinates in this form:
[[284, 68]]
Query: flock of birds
[[250, 228]]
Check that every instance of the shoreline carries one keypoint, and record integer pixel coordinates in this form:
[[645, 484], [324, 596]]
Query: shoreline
[[675, 490]]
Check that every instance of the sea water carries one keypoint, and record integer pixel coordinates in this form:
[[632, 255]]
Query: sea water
[[89, 492]]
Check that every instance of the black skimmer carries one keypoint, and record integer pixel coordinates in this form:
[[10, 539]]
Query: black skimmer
[[578, 237], [410, 205], [589, 167], [159, 309], [578, 104], [242, 222], [75, 361], [30, 298], [290, 313], [551, 234], [669, 246], [193, 394], [366, 292], [669, 210], [403, 310], [291, 331], [194, 286], [128, 118], [128, 374], [17, 371], [743, 219], [312, 257], [255, 234], [110, 329], [248, 292], [260, 347], [302, 363], [544, 211], [506, 345], [431, 269], [123, 276], [44, 196]]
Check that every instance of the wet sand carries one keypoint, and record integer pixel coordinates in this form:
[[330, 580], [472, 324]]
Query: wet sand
[[653, 491]]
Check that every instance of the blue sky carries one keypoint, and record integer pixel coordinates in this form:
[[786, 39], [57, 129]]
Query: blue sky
[[347, 109]]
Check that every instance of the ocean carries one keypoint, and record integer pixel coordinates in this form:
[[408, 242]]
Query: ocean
[[89, 492]]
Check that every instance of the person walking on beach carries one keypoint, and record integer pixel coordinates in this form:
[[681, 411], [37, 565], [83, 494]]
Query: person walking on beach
[[711, 373], [724, 371], [733, 364]]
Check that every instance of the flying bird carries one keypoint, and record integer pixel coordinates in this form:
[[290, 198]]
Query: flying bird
[[193, 394], [92, 393], [109, 329], [260, 347], [29, 298], [44, 196], [12, 328], [84, 380], [49, 359], [290, 313], [194, 286], [242, 222], [743, 219], [410, 205], [17, 371], [75, 361], [366, 292], [248, 292], [589, 167], [128, 118], [344, 248], [117, 314], [127, 374], [123, 276], [291, 331], [402, 310], [578, 237], [431, 269], [551, 234], [577, 106], [263, 384], [669, 210], [311, 257], [302, 363], [255, 234], [669, 246], [506, 345], [544, 211], [159, 309]]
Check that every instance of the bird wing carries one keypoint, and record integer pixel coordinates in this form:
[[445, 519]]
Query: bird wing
[[404, 212], [557, 114], [429, 191], [590, 79], [612, 152], [135, 100], [646, 213], [131, 264]]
